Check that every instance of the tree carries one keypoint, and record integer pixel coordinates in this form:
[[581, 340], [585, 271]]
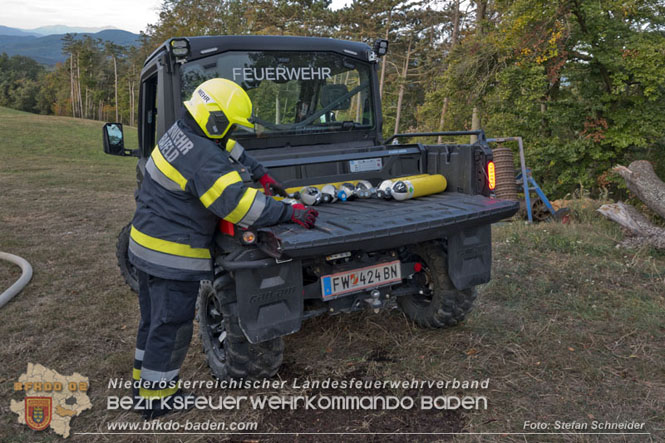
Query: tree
[[453, 41], [19, 82], [229, 17], [579, 81], [68, 47], [114, 51]]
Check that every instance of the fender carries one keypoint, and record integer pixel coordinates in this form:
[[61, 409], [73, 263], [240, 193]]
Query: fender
[[270, 300], [470, 257]]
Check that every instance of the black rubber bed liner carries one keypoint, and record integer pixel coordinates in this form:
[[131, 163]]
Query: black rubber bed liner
[[373, 224]]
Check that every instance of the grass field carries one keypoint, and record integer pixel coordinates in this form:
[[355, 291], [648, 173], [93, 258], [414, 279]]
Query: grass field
[[569, 329]]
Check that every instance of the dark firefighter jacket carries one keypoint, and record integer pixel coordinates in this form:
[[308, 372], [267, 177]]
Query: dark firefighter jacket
[[190, 183]]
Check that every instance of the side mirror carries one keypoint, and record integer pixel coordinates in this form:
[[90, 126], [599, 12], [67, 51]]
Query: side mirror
[[333, 92], [114, 140]]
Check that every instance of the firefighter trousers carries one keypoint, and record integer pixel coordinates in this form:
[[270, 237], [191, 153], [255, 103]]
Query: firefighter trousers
[[165, 331]]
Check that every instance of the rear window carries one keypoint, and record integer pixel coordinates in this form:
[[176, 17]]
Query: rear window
[[292, 92]]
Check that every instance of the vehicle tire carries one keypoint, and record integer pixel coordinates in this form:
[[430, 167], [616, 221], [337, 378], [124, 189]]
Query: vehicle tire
[[128, 271], [440, 305], [228, 353]]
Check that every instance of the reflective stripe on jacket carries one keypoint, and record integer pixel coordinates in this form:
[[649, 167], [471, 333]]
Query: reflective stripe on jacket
[[189, 184]]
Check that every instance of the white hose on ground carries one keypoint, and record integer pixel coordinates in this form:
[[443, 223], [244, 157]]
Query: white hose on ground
[[21, 282]]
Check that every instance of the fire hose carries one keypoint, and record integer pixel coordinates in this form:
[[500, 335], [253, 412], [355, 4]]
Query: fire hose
[[26, 275]]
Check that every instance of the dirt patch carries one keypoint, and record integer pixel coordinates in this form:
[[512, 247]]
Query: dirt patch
[[9, 273]]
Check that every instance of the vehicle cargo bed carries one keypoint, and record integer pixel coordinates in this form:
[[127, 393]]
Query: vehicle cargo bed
[[372, 224]]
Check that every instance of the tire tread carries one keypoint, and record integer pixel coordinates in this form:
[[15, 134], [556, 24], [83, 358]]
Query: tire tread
[[244, 360], [449, 305]]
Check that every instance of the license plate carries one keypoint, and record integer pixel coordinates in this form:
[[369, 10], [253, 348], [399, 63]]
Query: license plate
[[362, 278]]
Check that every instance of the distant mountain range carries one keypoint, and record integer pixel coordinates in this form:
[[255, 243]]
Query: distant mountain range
[[53, 29], [44, 44]]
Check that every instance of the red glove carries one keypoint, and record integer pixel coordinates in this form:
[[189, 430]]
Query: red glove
[[304, 216], [271, 186]]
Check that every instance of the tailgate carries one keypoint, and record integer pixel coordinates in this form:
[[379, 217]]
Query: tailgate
[[372, 224]]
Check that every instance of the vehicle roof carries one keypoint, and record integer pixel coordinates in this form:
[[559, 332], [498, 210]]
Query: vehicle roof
[[221, 43]]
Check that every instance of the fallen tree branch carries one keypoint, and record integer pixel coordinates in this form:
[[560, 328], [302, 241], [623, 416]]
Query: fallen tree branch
[[640, 230], [642, 181]]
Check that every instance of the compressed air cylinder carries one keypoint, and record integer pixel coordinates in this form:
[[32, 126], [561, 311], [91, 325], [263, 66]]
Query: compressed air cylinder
[[363, 189], [402, 190], [310, 196], [418, 187], [346, 192], [385, 189], [329, 194]]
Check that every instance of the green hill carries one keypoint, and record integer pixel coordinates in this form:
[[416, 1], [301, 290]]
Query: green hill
[[61, 151], [48, 49], [34, 140]]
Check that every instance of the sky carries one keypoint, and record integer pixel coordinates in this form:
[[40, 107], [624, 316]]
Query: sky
[[130, 15]]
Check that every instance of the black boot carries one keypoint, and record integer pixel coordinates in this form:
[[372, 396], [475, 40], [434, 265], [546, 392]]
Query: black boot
[[137, 404]]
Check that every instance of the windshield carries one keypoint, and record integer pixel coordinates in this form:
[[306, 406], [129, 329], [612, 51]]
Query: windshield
[[292, 92]]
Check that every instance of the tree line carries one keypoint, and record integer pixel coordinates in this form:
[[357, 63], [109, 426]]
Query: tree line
[[582, 82], [99, 80]]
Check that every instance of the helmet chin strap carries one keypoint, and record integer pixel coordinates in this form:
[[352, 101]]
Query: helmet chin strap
[[221, 142]]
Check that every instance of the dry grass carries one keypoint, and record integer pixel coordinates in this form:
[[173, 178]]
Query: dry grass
[[570, 328]]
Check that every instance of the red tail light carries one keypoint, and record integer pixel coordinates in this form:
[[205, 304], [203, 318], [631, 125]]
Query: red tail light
[[491, 176]]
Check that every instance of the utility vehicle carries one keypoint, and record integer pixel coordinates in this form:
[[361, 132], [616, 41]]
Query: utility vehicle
[[318, 119]]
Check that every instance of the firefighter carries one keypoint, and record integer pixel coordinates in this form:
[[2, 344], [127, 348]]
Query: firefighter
[[190, 182]]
